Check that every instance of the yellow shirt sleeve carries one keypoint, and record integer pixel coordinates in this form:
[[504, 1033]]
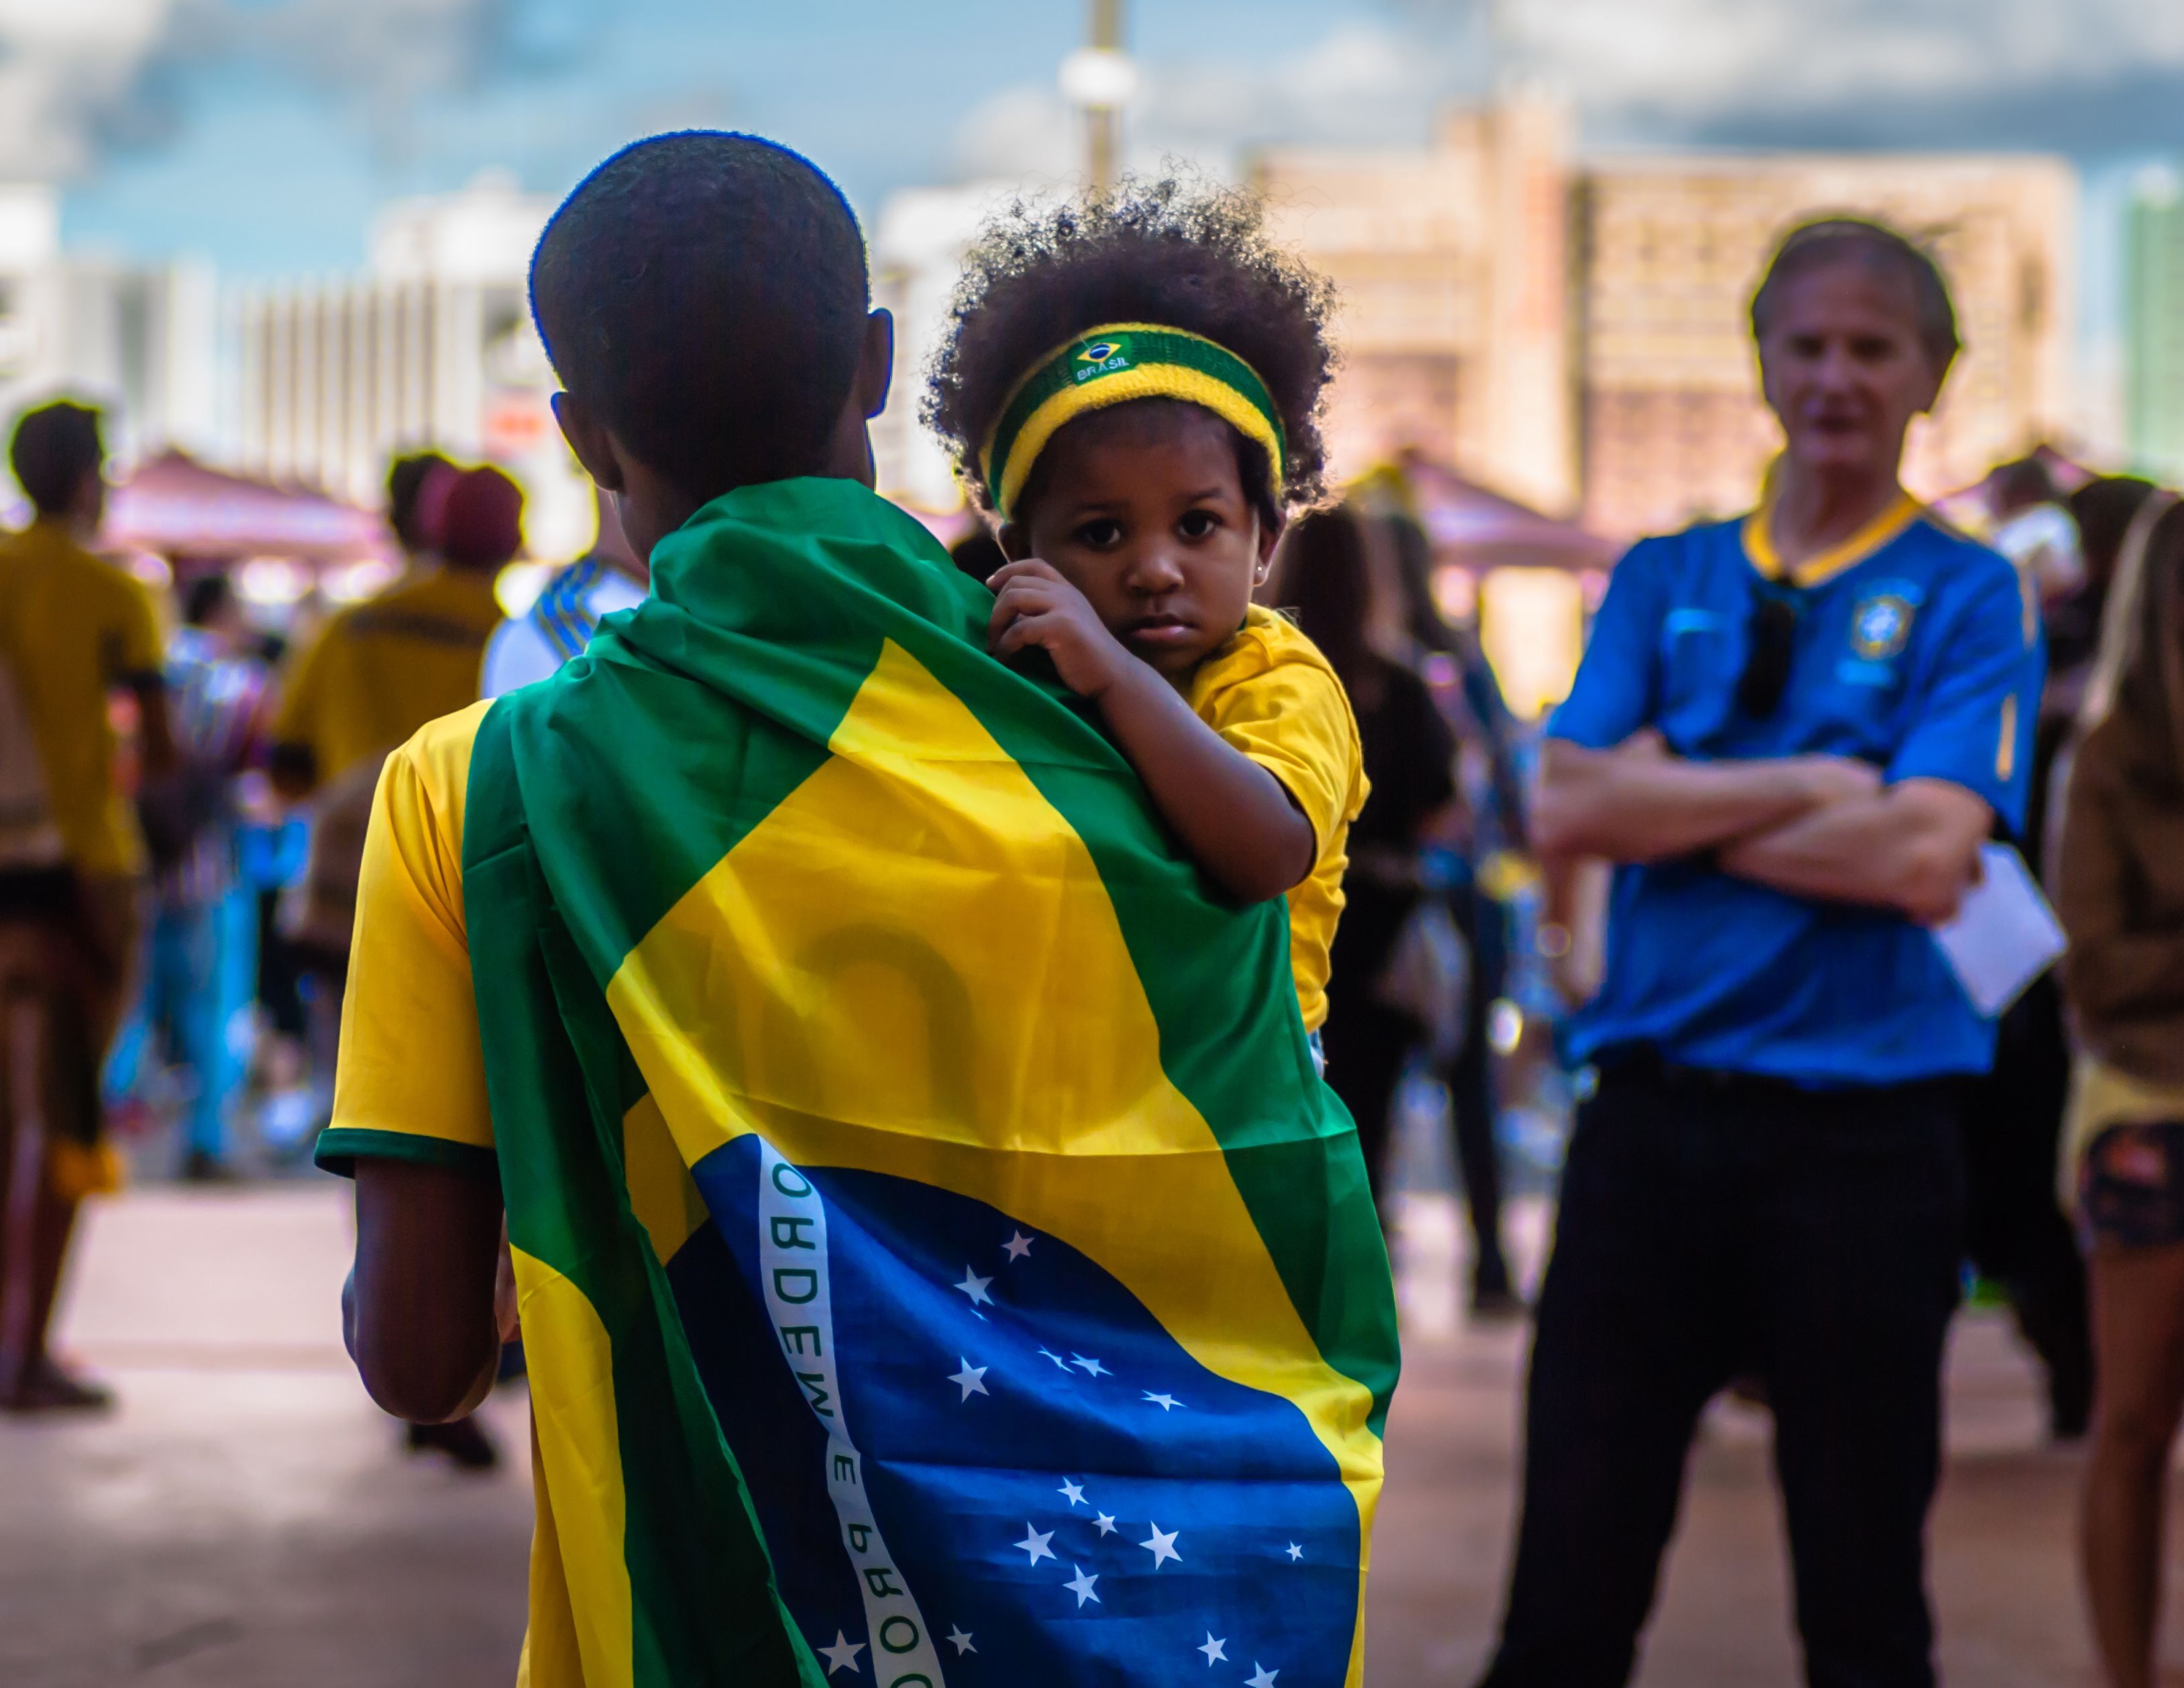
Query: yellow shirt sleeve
[[139, 648], [1271, 694], [410, 1080]]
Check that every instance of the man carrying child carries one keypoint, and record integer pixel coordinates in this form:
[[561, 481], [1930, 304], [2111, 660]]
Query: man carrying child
[[938, 1257]]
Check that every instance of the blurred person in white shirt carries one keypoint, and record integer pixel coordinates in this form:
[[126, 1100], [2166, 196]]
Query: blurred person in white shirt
[[561, 620]]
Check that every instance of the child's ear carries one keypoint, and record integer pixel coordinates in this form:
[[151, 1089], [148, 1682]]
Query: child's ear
[[1270, 535], [1016, 543]]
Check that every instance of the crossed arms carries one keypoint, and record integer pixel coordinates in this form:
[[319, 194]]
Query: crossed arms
[[1816, 826]]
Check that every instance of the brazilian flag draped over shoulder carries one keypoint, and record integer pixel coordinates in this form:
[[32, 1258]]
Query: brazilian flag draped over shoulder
[[939, 1261]]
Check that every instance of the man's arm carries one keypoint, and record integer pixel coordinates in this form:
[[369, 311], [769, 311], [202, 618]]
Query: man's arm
[[1914, 848], [1636, 803], [155, 728], [419, 1314]]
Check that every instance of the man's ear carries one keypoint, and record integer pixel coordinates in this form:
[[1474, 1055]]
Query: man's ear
[[588, 438], [876, 363], [1941, 368]]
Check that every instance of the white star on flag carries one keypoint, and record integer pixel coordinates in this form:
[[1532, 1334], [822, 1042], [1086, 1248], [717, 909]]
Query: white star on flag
[[1072, 1492], [1165, 1402], [1295, 1552], [1057, 1358], [970, 1379], [1091, 1368], [1161, 1546], [1019, 1245], [974, 1286], [1214, 1650], [1261, 1677], [1106, 1523], [843, 1655], [1035, 1545], [1081, 1586], [962, 1641]]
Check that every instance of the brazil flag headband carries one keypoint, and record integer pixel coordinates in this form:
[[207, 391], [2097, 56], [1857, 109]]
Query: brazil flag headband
[[1113, 364]]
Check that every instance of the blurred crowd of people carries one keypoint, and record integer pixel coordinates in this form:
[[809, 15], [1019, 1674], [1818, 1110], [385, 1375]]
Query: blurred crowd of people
[[180, 829]]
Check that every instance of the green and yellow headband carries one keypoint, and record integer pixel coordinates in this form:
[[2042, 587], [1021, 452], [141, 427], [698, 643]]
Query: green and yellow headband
[[1113, 364]]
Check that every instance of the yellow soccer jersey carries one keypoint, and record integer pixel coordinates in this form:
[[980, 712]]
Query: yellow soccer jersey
[[382, 669], [73, 627], [1269, 692]]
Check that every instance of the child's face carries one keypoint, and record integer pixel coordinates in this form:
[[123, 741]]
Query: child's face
[[1146, 515]]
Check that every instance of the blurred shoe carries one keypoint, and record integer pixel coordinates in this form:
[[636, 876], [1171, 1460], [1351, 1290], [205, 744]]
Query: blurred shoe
[[201, 1166], [49, 1388], [464, 1441]]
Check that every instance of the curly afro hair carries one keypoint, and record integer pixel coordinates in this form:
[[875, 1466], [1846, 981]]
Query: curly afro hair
[[1187, 255]]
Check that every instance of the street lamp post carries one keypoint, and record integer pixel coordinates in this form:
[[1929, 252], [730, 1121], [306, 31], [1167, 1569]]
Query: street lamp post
[[1099, 79]]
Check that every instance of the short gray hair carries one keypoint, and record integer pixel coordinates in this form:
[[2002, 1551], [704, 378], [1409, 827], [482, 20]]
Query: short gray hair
[[1837, 240]]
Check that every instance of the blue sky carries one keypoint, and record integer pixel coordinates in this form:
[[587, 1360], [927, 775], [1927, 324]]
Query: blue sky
[[262, 133], [270, 161]]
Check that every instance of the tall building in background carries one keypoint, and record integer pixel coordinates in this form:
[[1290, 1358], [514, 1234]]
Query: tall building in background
[[432, 347], [2154, 324], [139, 340], [1665, 251], [1453, 272], [918, 243]]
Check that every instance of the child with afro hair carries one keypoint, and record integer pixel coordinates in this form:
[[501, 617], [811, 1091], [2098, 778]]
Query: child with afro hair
[[1131, 386]]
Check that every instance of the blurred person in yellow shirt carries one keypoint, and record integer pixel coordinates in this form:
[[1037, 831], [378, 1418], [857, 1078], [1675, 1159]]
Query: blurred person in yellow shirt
[[382, 669], [377, 673], [74, 629]]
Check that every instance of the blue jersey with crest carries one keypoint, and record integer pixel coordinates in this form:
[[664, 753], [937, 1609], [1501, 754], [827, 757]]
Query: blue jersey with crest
[[1914, 650]]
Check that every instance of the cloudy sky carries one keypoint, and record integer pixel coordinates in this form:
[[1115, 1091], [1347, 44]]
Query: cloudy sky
[[262, 132]]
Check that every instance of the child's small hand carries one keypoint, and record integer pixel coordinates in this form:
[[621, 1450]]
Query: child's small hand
[[1035, 605]]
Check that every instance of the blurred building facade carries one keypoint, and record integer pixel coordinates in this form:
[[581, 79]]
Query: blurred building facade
[[1666, 251], [432, 346], [1573, 333], [918, 244], [2154, 324], [1454, 276], [141, 340]]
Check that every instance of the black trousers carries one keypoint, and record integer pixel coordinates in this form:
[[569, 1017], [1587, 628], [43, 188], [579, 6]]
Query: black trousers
[[1713, 1226], [1471, 1089], [1367, 1045]]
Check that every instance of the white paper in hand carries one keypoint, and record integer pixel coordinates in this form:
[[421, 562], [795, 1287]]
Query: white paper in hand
[[2004, 936]]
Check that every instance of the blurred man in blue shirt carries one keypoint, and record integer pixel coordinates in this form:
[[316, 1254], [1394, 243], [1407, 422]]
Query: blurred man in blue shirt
[[1792, 733]]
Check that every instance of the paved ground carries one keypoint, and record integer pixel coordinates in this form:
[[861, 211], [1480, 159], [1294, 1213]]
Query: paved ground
[[245, 1520]]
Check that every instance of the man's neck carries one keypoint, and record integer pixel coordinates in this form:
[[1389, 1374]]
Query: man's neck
[[72, 527], [1811, 510]]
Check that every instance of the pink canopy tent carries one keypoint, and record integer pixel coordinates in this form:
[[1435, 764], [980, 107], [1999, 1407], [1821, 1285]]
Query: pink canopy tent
[[176, 507], [1477, 529]]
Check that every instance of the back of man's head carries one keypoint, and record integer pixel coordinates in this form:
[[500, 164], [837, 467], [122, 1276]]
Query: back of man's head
[[705, 294], [409, 512], [55, 447], [206, 599]]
